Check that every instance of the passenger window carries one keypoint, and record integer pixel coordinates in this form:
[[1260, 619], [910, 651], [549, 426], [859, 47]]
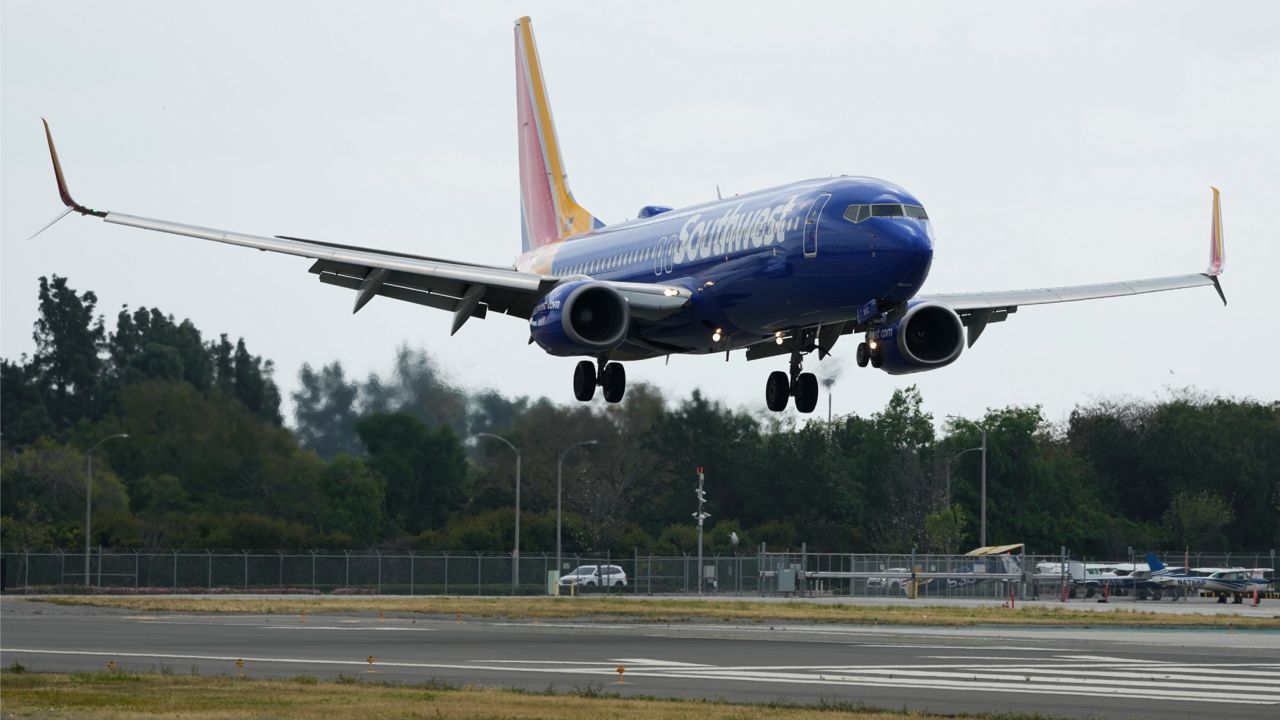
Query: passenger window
[[886, 211]]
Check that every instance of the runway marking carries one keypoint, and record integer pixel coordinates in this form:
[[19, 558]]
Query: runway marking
[[977, 678]]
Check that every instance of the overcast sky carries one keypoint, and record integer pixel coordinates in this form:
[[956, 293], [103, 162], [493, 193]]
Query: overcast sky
[[1061, 144]]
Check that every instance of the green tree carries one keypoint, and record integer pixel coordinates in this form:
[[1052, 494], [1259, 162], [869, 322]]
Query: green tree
[[324, 411], [66, 362], [425, 470], [944, 529], [1194, 518]]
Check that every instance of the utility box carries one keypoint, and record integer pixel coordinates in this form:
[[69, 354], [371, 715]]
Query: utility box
[[553, 582], [709, 577], [787, 580]]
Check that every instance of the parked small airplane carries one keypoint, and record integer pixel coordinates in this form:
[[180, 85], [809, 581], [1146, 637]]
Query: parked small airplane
[[786, 271], [1234, 582]]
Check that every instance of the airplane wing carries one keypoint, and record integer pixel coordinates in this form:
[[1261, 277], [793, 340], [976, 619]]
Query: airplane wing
[[465, 289], [978, 309]]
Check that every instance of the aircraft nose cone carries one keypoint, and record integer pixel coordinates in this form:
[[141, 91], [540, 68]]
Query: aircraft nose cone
[[913, 238]]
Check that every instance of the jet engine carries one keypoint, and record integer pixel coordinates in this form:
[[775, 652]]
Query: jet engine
[[928, 336], [580, 317]]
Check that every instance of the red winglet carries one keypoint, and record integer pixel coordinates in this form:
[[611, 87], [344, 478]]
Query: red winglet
[[62, 181]]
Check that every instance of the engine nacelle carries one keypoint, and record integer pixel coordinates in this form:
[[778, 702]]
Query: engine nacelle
[[580, 317], [926, 337]]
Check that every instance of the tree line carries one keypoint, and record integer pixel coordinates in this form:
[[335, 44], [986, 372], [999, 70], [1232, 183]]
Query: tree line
[[386, 461]]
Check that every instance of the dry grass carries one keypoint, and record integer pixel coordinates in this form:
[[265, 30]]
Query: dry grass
[[605, 608], [120, 695]]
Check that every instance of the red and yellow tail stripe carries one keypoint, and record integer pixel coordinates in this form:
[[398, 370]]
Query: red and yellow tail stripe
[[1217, 250], [548, 211]]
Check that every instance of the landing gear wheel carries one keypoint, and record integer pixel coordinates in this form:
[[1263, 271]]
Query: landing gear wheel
[[614, 381], [864, 354], [877, 357], [806, 392], [584, 380], [776, 391]]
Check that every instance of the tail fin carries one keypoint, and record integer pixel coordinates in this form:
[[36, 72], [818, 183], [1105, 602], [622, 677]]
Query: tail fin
[[548, 212], [1154, 563]]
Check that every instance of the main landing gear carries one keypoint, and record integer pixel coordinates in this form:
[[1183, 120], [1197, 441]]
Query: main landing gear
[[610, 376], [802, 385]]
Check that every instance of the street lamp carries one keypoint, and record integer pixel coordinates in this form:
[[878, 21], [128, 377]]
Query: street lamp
[[559, 476], [982, 533], [88, 500], [515, 555]]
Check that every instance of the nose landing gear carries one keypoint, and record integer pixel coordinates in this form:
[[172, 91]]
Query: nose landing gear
[[610, 376], [801, 385]]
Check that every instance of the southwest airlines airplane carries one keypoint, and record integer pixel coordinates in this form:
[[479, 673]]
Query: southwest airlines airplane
[[780, 272]]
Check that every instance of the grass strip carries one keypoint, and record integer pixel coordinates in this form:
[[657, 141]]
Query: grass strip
[[122, 695], [657, 611]]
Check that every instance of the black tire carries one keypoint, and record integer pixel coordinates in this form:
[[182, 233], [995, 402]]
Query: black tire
[[776, 391], [614, 382], [877, 358], [864, 354], [806, 392], [584, 380]]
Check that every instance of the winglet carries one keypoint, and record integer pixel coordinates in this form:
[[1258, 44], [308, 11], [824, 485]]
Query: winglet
[[1217, 250], [62, 181]]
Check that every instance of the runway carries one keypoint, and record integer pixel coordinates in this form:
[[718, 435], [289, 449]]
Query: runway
[[1063, 671]]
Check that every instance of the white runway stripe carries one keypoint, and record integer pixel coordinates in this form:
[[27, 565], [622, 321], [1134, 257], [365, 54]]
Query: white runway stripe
[[1089, 679]]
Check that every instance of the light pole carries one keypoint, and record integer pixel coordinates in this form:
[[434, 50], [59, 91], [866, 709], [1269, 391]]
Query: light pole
[[515, 555], [559, 478], [88, 500], [982, 532]]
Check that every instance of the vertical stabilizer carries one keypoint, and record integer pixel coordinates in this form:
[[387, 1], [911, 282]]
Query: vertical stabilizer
[[548, 212]]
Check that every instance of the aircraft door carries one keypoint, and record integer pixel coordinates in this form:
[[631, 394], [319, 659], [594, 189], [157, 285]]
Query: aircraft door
[[811, 225]]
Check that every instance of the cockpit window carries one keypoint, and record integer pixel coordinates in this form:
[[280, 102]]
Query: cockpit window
[[856, 213]]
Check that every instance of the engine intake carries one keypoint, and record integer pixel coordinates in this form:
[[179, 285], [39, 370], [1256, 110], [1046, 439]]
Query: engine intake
[[926, 337], [580, 317]]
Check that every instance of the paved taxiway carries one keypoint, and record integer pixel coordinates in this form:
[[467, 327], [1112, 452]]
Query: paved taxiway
[[1068, 671]]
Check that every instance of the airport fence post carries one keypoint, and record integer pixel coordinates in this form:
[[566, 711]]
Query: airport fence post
[[175, 571], [136, 566], [26, 570], [346, 578], [378, 553], [446, 573], [62, 570], [313, 571], [685, 574], [635, 570], [280, 574], [99, 583], [210, 577], [411, 561], [246, 570], [479, 572]]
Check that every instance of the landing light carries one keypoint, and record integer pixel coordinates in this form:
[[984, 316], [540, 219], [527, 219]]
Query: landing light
[[671, 292], [872, 344], [715, 336], [777, 337]]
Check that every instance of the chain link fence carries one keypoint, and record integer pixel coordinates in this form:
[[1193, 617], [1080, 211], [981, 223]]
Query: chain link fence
[[996, 577]]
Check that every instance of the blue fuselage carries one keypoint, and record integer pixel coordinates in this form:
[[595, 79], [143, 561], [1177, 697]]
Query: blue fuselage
[[758, 264]]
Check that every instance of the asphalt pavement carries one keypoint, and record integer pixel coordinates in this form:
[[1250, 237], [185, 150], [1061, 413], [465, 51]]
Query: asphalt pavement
[[1078, 672]]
